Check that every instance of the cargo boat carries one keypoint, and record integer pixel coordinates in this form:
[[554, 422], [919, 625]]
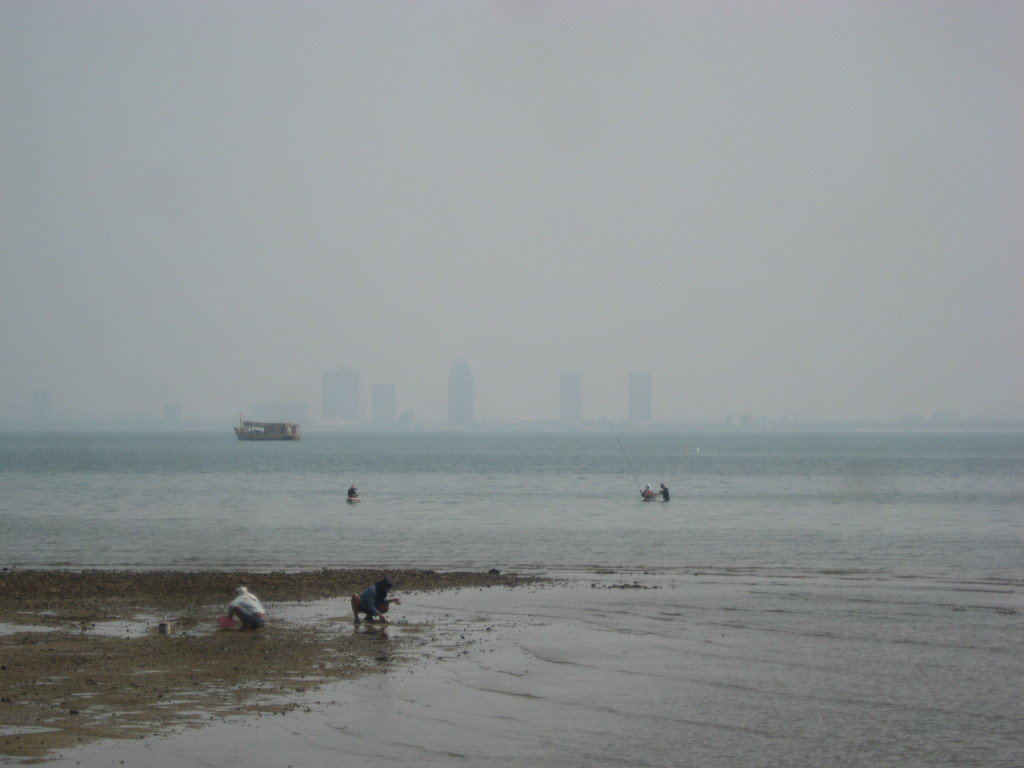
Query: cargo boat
[[267, 430]]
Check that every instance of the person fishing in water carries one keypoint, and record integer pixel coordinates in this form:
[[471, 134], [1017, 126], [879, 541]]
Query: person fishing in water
[[646, 493], [664, 492]]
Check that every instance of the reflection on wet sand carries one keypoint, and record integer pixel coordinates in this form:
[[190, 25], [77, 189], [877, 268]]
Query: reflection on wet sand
[[723, 670]]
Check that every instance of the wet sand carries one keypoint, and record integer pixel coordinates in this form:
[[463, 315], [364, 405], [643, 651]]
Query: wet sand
[[722, 668], [82, 657]]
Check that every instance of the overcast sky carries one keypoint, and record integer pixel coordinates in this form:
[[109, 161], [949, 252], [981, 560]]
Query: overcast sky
[[787, 208]]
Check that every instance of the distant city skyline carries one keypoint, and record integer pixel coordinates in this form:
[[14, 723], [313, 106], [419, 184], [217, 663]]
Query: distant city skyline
[[461, 394], [342, 394], [640, 398], [570, 412], [671, 187], [295, 413], [382, 404]]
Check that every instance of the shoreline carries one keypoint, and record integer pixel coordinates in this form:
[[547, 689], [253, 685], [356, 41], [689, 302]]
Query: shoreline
[[83, 658]]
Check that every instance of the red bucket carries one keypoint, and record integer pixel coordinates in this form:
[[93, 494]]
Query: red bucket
[[226, 622]]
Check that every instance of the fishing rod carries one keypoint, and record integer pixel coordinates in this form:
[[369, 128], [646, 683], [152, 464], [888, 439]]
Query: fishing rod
[[629, 465]]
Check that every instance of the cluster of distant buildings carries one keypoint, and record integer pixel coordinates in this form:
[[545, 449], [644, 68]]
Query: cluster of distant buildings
[[342, 396], [343, 404], [342, 390]]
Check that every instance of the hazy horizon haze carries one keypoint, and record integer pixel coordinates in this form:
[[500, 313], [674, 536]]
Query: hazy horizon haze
[[790, 208]]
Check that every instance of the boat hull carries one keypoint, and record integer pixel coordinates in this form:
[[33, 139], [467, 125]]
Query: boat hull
[[262, 430]]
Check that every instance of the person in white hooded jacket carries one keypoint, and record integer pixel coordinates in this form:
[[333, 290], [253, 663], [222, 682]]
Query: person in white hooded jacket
[[248, 609]]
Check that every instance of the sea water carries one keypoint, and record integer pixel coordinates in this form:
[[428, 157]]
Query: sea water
[[930, 504], [802, 600]]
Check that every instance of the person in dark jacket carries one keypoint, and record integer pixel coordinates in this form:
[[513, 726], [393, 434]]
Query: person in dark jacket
[[373, 601], [664, 492]]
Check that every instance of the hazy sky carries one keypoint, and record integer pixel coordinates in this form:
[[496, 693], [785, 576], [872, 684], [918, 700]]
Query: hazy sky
[[807, 208]]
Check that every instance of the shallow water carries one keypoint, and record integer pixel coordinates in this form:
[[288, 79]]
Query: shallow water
[[917, 504], [716, 670]]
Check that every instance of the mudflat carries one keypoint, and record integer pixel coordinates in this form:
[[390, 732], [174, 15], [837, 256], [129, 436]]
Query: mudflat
[[82, 656]]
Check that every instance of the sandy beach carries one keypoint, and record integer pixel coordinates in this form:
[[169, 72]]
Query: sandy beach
[[82, 656]]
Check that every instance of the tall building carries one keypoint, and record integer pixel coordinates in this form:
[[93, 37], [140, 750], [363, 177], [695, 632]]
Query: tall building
[[172, 416], [40, 407], [460, 394], [340, 395], [290, 412], [640, 398], [570, 412], [382, 404]]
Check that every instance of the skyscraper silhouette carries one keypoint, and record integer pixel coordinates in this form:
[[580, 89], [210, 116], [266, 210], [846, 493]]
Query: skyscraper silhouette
[[640, 398], [340, 395], [460, 394], [570, 412], [382, 404]]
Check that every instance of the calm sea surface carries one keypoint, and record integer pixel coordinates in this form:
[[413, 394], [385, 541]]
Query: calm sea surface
[[947, 504], [802, 601]]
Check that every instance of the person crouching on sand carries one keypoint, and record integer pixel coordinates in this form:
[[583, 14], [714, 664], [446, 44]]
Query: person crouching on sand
[[373, 601], [248, 609]]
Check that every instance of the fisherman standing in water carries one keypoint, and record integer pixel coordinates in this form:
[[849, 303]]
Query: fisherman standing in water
[[647, 492], [664, 492]]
